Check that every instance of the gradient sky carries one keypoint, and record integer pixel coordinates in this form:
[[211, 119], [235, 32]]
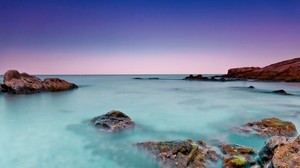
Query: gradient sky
[[146, 36]]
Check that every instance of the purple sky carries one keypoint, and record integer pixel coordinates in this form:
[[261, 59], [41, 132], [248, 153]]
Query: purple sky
[[140, 36]]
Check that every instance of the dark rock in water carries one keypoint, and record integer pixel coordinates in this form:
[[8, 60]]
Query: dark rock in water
[[151, 78], [267, 152], [16, 83], [251, 87], [282, 71], [6, 89], [287, 155], [180, 154], [56, 84], [282, 92], [237, 156], [197, 77], [113, 121], [270, 127]]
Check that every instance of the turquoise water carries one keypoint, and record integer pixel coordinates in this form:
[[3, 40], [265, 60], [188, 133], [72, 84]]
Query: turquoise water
[[52, 129]]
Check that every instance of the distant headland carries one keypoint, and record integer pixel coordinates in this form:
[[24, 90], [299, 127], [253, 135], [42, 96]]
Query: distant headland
[[287, 71]]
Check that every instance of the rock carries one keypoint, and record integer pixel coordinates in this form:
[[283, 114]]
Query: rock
[[113, 121], [234, 161], [16, 83], [180, 154], [251, 87], [21, 83], [287, 155], [151, 78], [267, 152], [56, 84], [269, 127], [237, 155], [192, 77], [200, 77], [288, 70], [281, 92]]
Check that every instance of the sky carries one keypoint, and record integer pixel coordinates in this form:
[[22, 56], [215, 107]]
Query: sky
[[146, 36]]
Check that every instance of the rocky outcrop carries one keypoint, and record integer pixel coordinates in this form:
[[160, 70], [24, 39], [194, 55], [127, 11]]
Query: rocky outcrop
[[267, 152], [269, 127], [23, 83], [288, 70], [280, 152], [287, 155], [113, 121], [237, 156], [181, 154]]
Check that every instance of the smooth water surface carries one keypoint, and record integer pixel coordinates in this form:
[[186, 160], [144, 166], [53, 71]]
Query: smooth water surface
[[51, 130]]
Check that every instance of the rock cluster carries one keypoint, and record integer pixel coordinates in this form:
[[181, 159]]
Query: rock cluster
[[278, 152], [288, 70], [204, 78], [180, 154], [23, 83]]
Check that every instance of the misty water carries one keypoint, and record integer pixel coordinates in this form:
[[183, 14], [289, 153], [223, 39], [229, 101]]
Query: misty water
[[50, 130]]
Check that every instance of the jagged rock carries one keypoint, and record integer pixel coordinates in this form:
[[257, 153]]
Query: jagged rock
[[269, 127], [287, 155], [288, 70], [180, 154], [237, 156], [23, 83], [267, 152], [113, 121]]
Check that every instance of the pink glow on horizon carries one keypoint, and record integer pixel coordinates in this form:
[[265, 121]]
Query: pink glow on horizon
[[72, 62]]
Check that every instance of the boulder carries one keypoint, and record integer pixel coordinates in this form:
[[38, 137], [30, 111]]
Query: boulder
[[56, 84], [23, 83], [180, 154], [113, 121], [236, 156], [269, 127], [288, 70], [287, 154], [14, 82], [267, 152]]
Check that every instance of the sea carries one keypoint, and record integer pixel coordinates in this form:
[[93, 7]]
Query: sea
[[53, 130]]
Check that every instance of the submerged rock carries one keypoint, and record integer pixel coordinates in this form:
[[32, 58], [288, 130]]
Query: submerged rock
[[282, 71], [180, 154], [236, 156], [281, 92], [269, 127], [150, 78], [23, 83], [113, 121]]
